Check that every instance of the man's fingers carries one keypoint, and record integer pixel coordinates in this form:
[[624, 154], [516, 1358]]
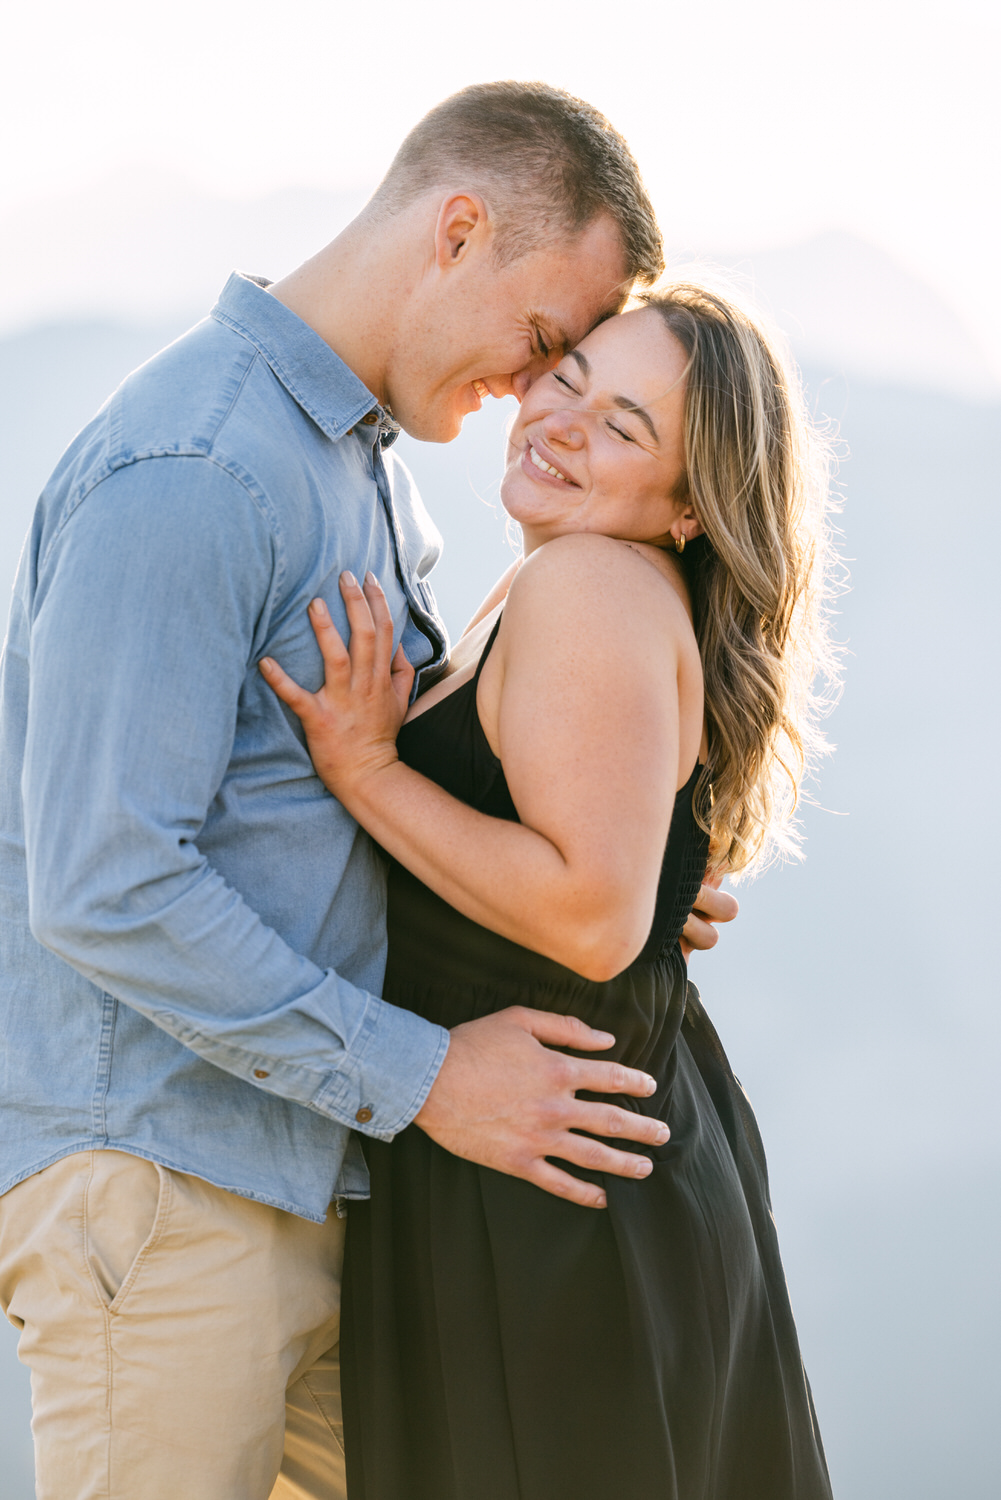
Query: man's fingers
[[698, 934], [596, 1077], [563, 1185], [610, 1078], [608, 1121], [713, 905], [596, 1156], [562, 1031]]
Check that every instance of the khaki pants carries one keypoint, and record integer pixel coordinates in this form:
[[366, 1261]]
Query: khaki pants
[[182, 1341]]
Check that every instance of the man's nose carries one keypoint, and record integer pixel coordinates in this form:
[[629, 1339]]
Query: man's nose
[[539, 364]]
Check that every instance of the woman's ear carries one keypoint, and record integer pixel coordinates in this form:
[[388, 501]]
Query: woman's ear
[[463, 219]]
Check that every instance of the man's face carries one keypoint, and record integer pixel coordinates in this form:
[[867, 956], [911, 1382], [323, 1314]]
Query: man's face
[[481, 329]]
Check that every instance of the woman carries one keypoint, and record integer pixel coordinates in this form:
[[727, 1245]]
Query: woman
[[634, 706]]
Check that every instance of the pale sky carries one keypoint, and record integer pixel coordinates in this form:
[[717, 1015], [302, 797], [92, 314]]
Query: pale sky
[[755, 124]]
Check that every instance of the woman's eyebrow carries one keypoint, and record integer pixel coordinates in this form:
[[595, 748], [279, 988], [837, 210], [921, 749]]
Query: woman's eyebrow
[[623, 402], [637, 410]]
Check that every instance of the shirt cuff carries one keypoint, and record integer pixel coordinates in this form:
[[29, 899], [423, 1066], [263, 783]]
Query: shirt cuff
[[393, 1062]]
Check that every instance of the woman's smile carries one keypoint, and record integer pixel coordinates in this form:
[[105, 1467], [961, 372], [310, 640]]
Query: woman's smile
[[546, 469]]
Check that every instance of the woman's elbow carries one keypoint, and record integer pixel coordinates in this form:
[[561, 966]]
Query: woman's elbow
[[609, 943]]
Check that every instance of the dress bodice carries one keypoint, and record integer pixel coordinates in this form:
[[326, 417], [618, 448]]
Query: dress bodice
[[447, 744]]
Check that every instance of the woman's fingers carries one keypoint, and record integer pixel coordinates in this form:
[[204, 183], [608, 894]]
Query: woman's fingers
[[362, 645], [333, 650], [383, 623], [297, 698]]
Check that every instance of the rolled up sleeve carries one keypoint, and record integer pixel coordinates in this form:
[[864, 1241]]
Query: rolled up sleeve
[[151, 606]]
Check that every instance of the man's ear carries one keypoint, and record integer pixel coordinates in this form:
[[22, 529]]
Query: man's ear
[[462, 220]]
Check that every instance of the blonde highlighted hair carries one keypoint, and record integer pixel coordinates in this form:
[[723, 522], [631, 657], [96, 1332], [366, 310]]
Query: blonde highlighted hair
[[757, 472]]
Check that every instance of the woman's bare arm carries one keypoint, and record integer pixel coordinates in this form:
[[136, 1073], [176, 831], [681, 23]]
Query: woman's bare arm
[[586, 690]]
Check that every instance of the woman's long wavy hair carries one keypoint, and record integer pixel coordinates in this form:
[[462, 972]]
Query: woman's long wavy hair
[[758, 474]]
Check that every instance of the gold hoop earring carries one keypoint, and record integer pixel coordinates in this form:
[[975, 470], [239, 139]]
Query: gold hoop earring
[[679, 543]]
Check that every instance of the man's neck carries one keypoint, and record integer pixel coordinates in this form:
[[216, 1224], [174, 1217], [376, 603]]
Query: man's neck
[[341, 294]]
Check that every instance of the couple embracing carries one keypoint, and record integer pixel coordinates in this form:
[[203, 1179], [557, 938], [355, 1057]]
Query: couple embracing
[[229, 709]]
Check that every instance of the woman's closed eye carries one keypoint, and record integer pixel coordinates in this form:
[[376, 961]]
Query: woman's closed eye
[[569, 386]]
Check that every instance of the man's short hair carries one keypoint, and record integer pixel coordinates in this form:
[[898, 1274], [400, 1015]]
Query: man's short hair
[[551, 164]]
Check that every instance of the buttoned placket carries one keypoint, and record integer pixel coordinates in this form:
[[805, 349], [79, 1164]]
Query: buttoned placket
[[387, 433]]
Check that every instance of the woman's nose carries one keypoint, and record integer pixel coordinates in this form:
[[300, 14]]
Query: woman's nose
[[562, 426]]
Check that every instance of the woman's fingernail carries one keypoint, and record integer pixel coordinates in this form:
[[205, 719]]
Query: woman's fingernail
[[371, 578], [318, 607], [349, 578], [267, 665]]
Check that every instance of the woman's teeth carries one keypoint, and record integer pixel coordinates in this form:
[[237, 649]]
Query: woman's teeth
[[540, 463]]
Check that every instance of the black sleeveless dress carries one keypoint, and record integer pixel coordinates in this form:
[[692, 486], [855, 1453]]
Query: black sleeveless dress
[[501, 1344]]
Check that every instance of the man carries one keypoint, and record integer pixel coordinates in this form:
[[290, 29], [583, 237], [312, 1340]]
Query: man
[[192, 929]]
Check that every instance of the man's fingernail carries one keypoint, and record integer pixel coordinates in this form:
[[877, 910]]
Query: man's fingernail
[[606, 1037], [644, 1167], [663, 1135], [651, 1085], [602, 1202]]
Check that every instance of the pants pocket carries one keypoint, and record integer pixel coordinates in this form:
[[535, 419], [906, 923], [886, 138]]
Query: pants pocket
[[125, 1209]]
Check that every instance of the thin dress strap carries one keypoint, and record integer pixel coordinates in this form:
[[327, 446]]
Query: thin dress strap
[[486, 650]]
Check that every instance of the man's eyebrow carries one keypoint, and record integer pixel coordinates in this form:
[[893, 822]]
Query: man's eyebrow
[[637, 411]]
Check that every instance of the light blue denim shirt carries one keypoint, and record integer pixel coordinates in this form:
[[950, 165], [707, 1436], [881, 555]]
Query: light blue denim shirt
[[192, 934]]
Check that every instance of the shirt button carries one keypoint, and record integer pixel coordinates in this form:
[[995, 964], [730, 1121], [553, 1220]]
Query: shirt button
[[260, 1073], [370, 418], [364, 1115]]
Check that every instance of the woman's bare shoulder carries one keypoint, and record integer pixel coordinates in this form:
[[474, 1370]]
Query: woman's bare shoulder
[[613, 584]]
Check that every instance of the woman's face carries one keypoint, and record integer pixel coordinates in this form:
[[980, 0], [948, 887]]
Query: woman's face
[[598, 444]]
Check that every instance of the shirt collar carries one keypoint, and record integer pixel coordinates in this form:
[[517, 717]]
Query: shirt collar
[[316, 377]]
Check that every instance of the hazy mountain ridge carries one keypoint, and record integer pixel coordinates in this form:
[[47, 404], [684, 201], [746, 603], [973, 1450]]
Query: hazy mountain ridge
[[149, 248]]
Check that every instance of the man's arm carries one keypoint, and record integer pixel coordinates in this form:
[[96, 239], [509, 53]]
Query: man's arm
[[152, 600]]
